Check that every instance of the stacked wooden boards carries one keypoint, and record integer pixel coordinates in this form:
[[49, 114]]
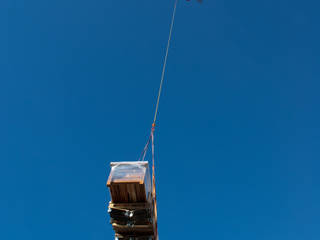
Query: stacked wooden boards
[[131, 207]]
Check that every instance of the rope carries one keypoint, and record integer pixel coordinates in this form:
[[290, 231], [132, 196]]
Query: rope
[[165, 62], [151, 137], [145, 149]]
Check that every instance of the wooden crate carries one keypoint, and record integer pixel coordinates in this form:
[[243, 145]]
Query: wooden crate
[[129, 182]]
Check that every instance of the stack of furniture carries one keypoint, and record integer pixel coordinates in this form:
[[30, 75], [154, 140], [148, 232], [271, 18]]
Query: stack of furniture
[[131, 207]]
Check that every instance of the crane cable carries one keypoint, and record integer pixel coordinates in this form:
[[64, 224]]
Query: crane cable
[[165, 62], [145, 149]]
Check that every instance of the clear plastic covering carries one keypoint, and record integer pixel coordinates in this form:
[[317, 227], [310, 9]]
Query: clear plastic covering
[[131, 172]]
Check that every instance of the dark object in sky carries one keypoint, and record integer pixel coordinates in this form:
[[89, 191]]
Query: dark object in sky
[[199, 1]]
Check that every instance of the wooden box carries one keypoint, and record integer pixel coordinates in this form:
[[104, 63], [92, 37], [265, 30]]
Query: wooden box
[[129, 182]]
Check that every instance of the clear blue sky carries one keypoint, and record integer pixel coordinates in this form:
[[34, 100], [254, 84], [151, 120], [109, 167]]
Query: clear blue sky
[[238, 139]]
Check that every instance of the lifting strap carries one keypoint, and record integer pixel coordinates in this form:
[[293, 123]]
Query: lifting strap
[[154, 195]]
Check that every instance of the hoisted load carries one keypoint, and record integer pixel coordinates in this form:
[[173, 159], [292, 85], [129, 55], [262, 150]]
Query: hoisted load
[[131, 207]]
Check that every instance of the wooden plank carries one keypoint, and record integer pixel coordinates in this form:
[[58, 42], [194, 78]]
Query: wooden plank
[[128, 192], [124, 221], [135, 229], [132, 192], [134, 237], [137, 180], [130, 206]]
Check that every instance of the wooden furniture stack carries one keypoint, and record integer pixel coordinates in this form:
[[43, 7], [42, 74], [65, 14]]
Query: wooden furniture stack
[[131, 207]]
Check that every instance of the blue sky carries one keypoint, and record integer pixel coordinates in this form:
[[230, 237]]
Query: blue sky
[[238, 138]]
